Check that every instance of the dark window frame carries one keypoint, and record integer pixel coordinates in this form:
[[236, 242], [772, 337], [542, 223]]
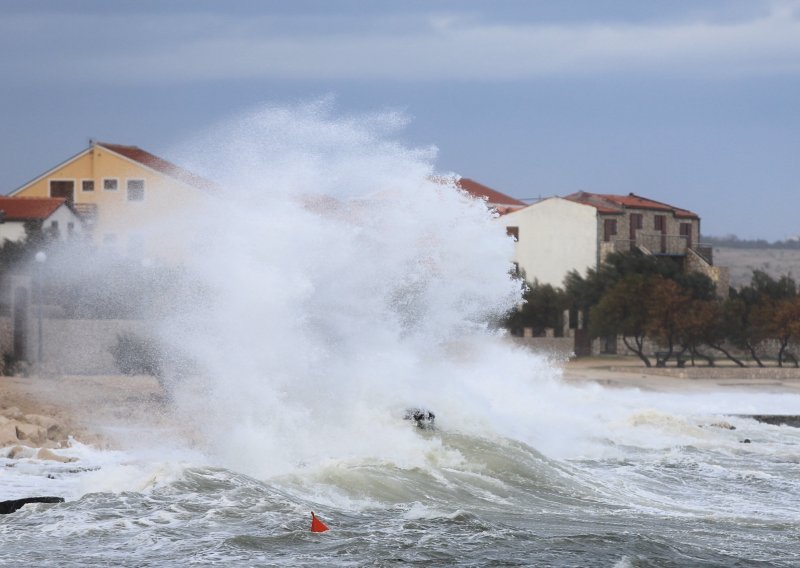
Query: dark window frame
[[609, 229], [135, 189]]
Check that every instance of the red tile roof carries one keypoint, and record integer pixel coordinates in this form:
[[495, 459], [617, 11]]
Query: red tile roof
[[616, 204], [493, 197], [29, 208], [160, 165]]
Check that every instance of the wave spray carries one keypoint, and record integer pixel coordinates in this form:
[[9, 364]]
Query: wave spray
[[343, 281]]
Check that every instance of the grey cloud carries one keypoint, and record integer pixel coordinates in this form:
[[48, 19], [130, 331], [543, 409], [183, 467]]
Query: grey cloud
[[203, 47]]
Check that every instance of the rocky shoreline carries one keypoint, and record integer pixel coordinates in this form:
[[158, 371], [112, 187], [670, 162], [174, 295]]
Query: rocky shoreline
[[33, 435], [40, 417]]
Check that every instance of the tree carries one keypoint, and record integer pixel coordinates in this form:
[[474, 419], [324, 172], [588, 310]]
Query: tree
[[713, 323], [668, 310], [583, 292], [780, 320], [542, 308], [15, 253], [756, 306], [623, 310], [737, 326]]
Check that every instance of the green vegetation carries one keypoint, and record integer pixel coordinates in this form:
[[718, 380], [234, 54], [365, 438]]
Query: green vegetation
[[648, 301], [542, 308], [135, 355], [79, 281], [86, 282]]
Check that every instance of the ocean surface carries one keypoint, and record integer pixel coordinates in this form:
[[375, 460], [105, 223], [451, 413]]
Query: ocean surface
[[654, 488]]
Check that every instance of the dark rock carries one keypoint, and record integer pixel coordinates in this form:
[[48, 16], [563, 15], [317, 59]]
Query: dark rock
[[775, 419], [7, 507], [424, 418], [746, 441]]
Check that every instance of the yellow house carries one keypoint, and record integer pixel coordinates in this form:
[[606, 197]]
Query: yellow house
[[129, 199]]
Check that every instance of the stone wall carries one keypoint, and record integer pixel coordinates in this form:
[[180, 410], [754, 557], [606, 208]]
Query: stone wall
[[727, 372], [561, 348], [647, 235], [79, 347], [719, 275]]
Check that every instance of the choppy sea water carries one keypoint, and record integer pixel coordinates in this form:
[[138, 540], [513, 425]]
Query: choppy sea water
[[348, 283], [699, 496]]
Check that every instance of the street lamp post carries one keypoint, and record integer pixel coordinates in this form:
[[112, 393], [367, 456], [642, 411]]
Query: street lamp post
[[41, 258]]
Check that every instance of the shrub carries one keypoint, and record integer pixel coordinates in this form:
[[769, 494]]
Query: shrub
[[136, 355]]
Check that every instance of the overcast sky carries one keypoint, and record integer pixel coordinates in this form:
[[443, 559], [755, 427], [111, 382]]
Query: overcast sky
[[696, 102]]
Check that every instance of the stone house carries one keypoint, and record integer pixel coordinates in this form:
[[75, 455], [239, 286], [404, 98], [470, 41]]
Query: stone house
[[559, 234]]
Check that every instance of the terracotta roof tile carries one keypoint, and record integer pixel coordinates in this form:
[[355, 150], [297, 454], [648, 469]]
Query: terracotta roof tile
[[29, 208], [616, 204], [494, 197], [160, 165]]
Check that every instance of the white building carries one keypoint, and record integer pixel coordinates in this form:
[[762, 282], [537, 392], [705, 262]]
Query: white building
[[54, 214], [577, 232], [553, 237]]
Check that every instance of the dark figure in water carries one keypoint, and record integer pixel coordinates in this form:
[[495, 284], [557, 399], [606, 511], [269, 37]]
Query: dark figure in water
[[423, 418], [7, 507]]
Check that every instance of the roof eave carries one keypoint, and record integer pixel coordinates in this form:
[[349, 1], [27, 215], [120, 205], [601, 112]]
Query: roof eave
[[153, 170], [50, 171]]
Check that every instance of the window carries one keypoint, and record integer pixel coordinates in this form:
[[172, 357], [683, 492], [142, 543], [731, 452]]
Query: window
[[87, 185], [135, 190], [686, 233], [636, 224], [110, 184], [70, 228], [609, 229], [63, 188], [660, 224], [513, 232]]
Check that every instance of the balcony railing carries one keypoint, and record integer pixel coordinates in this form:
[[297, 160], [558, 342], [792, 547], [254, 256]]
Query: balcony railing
[[653, 243], [657, 244]]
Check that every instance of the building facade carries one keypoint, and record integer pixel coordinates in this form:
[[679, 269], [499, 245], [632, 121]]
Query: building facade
[[128, 199], [53, 214], [578, 232]]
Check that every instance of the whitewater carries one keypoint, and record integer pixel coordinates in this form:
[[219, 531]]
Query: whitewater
[[337, 280]]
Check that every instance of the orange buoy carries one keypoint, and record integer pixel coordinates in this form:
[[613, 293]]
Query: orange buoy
[[316, 524]]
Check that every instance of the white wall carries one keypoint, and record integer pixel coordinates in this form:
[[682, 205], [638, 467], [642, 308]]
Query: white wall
[[64, 216], [80, 347], [15, 230], [555, 236]]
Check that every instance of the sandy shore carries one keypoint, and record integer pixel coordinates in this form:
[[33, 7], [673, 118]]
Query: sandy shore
[[91, 409], [104, 410], [629, 372]]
